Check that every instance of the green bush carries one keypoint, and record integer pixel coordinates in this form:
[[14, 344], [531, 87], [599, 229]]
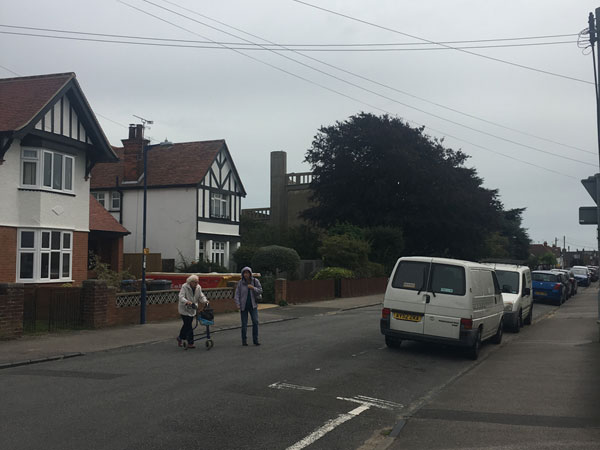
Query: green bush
[[274, 259], [344, 251], [243, 256], [104, 273], [341, 229], [371, 270], [387, 245], [333, 272], [268, 284], [186, 266]]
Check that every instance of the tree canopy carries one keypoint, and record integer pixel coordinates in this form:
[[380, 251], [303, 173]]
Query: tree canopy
[[374, 171]]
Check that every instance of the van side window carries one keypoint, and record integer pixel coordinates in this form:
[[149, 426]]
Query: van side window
[[411, 275], [448, 279]]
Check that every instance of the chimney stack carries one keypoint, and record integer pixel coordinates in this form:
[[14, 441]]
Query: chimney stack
[[133, 155]]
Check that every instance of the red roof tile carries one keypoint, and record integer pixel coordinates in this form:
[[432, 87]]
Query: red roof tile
[[22, 98], [175, 164], [102, 220]]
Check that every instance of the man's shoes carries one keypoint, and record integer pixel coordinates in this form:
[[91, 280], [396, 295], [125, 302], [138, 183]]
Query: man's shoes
[[179, 342], [257, 343], [245, 344]]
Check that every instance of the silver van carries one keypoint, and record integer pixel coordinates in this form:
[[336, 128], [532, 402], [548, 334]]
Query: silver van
[[441, 300]]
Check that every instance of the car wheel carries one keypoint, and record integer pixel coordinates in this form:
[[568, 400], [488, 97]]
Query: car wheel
[[529, 317], [497, 339], [474, 349], [392, 342]]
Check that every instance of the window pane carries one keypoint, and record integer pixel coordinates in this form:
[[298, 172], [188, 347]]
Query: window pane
[[45, 239], [57, 171], [55, 265], [30, 154], [27, 239], [509, 281], [66, 264], [116, 200], [411, 275], [48, 169], [448, 279], [26, 268], [29, 169], [66, 241], [56, 240], [68, 173], [45, 265]]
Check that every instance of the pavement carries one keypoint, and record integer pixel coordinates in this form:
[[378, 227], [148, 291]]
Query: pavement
[[69, 344], [539, 390]]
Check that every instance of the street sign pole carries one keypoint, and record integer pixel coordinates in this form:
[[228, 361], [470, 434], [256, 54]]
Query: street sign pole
[[593, 30]]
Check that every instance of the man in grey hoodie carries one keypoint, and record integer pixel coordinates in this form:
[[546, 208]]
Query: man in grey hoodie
[[248, 288]]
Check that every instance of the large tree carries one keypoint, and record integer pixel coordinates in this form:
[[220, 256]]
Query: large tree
[[378, 171]]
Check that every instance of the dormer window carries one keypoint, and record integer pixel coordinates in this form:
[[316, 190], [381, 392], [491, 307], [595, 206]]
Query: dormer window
[[47, 169]]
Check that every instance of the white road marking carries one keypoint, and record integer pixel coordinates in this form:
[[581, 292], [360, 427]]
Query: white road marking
[[327, 427], [383, 404], [280, 385]]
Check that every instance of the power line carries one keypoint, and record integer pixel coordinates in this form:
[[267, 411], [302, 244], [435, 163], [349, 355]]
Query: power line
[[342, 94], [351, 83], [444, 45], [179, 43]]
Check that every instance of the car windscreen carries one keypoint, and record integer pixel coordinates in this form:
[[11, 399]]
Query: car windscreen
[[411, 275], [583, 272], [448, 279], [509, 281], [551, 277]]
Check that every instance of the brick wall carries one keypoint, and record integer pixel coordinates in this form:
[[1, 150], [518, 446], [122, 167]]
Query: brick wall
[[8, 255], [80, 256], [11, 310], [96, 298]]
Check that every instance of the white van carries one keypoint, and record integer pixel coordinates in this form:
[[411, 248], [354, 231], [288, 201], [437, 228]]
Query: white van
[[515, 283], [447, 301]]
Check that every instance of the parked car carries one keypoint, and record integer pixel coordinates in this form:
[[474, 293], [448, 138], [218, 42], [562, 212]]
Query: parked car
[[572, 280], [442, 300], [593, 273], [515, 283], [564, 277], [582, 274], [548, 285]]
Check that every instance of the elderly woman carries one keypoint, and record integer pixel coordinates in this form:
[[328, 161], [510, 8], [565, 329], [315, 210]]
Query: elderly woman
[[190, 297], [248, 288]]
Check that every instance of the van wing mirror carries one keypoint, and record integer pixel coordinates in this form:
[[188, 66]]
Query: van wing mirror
[[526, 291]]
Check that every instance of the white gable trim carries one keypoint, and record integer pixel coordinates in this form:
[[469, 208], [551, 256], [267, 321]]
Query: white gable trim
[[62, 119]]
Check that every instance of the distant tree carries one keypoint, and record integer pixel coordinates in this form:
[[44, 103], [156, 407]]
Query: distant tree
[[548, 259], [387, 245], [378, 171], [345, 251], [274, 259]]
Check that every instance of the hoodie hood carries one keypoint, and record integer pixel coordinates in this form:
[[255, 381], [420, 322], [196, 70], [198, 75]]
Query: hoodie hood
[[246, 269]]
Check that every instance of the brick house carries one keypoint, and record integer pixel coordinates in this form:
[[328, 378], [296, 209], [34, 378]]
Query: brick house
[[106, 236], [193, 193], [49, 142]]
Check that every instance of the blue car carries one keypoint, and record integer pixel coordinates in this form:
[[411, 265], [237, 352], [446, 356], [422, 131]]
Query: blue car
[[582, 275], [548, 285]]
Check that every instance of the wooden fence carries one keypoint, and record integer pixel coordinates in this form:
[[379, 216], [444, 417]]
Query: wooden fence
[[362, 286], [310, 290], [132, 262]]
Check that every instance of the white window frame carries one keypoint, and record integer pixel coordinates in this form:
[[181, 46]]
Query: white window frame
[[41, 169], [100, 196], [201, 251], [115, 200], [218, 252], [219, 206], [41, 252]]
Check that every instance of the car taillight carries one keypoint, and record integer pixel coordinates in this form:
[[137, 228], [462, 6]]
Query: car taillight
[[466, 323], [557, 287], [385, 313]]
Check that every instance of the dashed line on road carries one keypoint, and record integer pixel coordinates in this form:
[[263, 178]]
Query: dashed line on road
[[281, 385]]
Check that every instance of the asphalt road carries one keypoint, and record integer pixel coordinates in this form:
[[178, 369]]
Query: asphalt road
[[321, 378]]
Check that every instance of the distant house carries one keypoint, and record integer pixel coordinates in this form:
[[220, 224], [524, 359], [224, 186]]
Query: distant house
[[194, 197], [106, 236], [290, 195], [49, 142]]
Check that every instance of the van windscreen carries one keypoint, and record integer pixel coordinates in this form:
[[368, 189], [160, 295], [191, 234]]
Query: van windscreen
[[448, 279], [509, 281], [411, 275]]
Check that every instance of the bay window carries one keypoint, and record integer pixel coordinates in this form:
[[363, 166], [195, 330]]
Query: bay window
[[47, 169], [219, 206], [44, 255]]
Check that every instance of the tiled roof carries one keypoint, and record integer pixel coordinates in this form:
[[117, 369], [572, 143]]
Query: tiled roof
[[22, 98], [541, 249], [102, 220], [175, 164]]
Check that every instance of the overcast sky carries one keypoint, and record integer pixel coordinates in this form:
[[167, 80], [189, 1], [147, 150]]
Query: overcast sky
[[260, 101]]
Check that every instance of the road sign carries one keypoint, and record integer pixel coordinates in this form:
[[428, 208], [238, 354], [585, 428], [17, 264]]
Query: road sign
[[146, 251], [588, 215], [590, 185]]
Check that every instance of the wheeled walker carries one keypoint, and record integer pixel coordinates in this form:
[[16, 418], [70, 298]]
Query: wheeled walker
[[200, 320]]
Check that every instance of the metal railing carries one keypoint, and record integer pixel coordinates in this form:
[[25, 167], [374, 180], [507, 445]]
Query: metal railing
[[129, 299]]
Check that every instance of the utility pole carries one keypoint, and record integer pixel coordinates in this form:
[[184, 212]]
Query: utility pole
[[145, 250]]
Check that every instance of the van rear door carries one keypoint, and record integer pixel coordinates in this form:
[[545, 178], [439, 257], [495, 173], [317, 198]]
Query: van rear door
[[446, 302], [407, 294]]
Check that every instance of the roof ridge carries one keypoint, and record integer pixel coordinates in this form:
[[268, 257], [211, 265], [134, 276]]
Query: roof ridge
[[31, 77]]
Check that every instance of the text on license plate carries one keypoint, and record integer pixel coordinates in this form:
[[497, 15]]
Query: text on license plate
[[541, 293], [407, 316]]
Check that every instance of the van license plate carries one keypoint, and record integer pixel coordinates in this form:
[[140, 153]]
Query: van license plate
[[407, 316], [540, 293]]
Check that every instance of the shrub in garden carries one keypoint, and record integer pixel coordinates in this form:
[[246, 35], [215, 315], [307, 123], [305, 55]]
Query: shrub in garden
[[274, 259], [336, 273]]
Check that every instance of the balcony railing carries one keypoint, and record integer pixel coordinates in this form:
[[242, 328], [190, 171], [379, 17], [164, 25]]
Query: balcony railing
[[299, 178]]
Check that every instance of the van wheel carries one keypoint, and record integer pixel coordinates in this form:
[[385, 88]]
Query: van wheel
[[392, 343], [474, 350], [497, 339], [519, 323], [529, 317]]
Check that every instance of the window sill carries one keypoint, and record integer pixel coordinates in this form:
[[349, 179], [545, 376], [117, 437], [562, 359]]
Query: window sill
[[29, 281], [50, 191]]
